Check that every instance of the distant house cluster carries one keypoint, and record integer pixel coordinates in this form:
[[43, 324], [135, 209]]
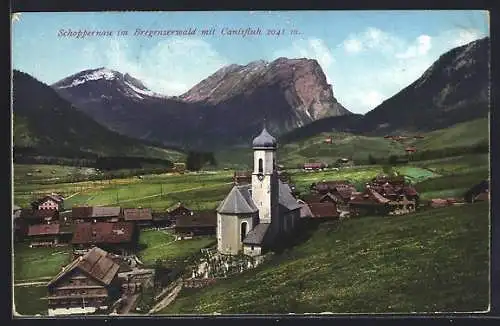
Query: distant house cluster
[[114, 229], [382, 196]]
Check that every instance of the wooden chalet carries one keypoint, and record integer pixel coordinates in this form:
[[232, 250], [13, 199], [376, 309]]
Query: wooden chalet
[[43, 235], [116, 237], [199, 223], [141, 216], [178, 210], [87, 285], [479, 192], [323, 210], [52, 202], [96, 214], [242, 177], [43, 216], [369, 202]]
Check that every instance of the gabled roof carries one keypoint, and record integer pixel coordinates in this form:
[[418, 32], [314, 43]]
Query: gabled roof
[[96, 263], [56, 198], [137, 214], [103, 232], [238, 201], [43, 229], [81, 212], [286, 199], [320, 210], [105, 211], [257, 236]]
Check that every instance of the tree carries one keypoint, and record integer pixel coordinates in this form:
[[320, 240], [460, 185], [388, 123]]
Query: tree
[[371, 160]]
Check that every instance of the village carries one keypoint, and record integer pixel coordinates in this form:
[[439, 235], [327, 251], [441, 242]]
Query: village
[[263, 209]]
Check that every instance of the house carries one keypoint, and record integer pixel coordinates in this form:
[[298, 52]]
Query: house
[[479, 192], [328, 140], [323, 210], [254, 217], [96, 214], [242, 177], [52, 202], [179, 167], [314, 166], [87, 285], [44, 216], [178, 210], [410, 149], [369, 202], [43, 235], [200, 223], [116, 237], [140, 216]]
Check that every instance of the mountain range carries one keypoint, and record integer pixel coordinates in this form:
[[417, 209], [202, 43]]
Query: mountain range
[[228, 107]]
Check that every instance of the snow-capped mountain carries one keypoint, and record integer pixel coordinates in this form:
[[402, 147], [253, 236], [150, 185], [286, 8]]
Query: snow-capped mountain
[[103, 78], [289, 93]]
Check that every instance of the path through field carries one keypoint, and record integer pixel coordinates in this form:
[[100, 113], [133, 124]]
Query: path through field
[[169, 298]]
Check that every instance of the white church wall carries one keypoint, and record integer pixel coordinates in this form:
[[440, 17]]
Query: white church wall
[[252, 250]]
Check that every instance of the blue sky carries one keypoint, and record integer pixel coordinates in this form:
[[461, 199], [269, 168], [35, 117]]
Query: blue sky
[[367, 56]]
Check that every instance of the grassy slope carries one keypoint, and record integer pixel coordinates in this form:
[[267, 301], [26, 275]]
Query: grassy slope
[[35, 263], [435, 260], [359, 147]]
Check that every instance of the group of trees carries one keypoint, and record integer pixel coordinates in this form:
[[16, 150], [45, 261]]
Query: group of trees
[[195, 161]]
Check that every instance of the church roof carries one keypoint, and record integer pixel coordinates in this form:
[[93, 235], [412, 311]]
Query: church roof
[[286, 198], [238, 201], [264, 140], [257, 235]]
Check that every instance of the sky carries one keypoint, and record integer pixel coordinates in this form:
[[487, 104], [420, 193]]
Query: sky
[[367, 56]]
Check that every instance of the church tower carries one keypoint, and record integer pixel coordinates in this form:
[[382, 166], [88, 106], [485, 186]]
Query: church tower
[[265, 187]]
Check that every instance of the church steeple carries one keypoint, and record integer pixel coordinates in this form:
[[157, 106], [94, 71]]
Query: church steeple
[[264, 140]]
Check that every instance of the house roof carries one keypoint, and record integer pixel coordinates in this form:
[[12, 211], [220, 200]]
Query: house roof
[[327, 209], [105, 211], [57, 198], [178, 206], [311, 198], [238, 201], [43, 229], [137, 214], [96, 263], [369, 196], [81, 211], [103, 232], [198, 219], [257, 236], [286, 199], [313, 165]]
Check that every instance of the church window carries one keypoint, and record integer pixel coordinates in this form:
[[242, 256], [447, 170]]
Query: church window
[[243, 230], [261, 168]]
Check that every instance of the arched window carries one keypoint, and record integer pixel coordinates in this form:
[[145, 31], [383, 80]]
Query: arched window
[[243, 230], [261, 168]]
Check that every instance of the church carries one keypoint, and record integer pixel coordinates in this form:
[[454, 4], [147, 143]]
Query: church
[[253, 217]]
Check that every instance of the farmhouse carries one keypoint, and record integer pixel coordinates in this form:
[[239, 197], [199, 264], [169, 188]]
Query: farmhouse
[[52, 202], [323, 210], [253, 217], [42, 235], [178, 210], [86, 285], [369, 202], [116, 237], [324, 187], [96, 214], [200, 223], [140, 216], [44, 216]]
